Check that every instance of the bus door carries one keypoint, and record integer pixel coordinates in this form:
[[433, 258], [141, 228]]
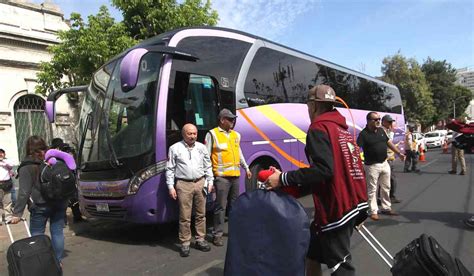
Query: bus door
[[193, 99]]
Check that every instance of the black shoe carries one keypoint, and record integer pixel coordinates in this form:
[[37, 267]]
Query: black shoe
[[184, 251], [406, 171], [452, 172], [469, 223], [395, 200], [462, 173], [203, 246], [218, 241]]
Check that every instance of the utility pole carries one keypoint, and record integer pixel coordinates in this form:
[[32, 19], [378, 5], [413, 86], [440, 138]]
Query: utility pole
[[454, 105], [454, 109]]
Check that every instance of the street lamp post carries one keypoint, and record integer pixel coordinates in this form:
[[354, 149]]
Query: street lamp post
[[454, 104]]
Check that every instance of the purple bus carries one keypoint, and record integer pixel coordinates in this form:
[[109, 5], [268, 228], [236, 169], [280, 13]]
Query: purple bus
[[137, 102]]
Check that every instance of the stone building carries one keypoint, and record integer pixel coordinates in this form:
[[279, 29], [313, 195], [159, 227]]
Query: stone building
[[26, 30]]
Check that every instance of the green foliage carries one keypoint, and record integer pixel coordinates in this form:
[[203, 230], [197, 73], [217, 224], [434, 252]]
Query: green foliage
[[147, 18], [462, 97], [441, 77], [83, 49], [406, 74]]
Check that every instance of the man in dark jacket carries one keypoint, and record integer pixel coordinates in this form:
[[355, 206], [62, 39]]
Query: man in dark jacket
[[336, 176]]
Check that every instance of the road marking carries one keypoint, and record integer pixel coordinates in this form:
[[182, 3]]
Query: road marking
[[203, 268], [429, 163]]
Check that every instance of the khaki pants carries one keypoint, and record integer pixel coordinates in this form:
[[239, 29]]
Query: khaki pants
[[191, 194], [378, 175], [457, 154], [5, 204]]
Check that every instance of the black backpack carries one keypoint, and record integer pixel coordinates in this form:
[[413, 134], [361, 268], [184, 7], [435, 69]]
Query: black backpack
[[57, 182]]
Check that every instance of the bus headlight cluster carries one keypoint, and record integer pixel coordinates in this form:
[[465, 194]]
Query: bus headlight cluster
[[144, 175]]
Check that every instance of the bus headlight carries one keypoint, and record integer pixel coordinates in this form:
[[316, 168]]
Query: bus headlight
[[144, 175]]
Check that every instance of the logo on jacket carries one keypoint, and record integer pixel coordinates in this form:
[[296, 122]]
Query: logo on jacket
[[352, 149]]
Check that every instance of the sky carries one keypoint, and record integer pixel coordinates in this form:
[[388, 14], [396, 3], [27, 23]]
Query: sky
[[357, 34]]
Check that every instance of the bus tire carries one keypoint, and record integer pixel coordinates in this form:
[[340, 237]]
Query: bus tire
[[255, 168]]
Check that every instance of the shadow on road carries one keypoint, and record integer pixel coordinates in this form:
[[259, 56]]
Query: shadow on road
[[164, 235], [213, 271], [450, 219]]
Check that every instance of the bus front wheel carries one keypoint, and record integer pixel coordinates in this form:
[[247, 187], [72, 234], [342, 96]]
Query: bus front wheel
[[255, 168]]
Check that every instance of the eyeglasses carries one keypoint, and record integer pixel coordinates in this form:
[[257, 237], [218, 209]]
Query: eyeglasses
[[375, 119]]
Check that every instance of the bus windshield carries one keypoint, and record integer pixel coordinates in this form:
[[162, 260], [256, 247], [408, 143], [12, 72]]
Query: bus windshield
[[122, 124]]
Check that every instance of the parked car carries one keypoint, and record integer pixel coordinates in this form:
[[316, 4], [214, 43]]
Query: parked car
[[434, 139], [420, 140], [449, 136]]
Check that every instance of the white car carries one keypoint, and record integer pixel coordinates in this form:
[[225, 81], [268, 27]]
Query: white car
[[434, 139], [449, 136], [420, 140]]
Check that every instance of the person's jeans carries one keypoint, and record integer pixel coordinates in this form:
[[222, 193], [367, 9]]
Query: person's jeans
[[55, 212], [13, 196]]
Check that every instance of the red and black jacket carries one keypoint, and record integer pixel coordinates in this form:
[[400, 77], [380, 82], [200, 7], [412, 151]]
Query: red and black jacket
[[336, 173]]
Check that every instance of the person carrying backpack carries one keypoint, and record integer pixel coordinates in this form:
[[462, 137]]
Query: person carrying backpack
[[73, 203], [31, 192]]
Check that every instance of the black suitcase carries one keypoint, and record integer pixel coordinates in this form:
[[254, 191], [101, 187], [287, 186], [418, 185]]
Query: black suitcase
[[423, 256], [31, 256]]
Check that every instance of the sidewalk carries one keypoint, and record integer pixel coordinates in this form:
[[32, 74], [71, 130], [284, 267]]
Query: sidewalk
[[19, 231]]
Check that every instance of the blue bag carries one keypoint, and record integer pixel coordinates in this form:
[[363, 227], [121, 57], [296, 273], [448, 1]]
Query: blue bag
[[268, 235]]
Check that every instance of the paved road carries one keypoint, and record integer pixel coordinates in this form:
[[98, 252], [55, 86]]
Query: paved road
[[434, 202]]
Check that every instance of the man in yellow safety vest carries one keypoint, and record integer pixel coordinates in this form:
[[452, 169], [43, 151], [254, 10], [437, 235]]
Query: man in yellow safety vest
[[223, 144]]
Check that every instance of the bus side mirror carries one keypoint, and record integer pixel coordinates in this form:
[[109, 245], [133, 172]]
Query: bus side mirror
[[130, 67], [50, 106], [50, 110]]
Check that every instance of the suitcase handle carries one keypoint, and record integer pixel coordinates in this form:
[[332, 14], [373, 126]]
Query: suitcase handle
[[359, 229], [7, 223]]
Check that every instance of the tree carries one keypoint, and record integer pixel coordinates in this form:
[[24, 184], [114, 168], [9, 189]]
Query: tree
[[147, 18], [462, 96], [406, 74], [441, 77], [83, 49]]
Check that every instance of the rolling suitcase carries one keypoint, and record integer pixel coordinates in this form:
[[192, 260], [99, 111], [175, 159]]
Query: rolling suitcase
[[422, 256], [31, 256]]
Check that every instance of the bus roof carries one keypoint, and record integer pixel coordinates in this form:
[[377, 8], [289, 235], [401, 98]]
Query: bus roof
[[166, 37]]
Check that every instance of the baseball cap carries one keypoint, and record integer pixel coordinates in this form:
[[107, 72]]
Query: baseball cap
[[226, 113], [322, 93], [388, 118]]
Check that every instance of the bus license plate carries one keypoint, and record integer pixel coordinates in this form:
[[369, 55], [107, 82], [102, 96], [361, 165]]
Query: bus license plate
[[102, 207]]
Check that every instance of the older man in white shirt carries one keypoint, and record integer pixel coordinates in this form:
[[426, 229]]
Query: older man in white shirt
[[188, 174]]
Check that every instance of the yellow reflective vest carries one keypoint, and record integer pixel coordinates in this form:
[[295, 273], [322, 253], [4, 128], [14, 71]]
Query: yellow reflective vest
[[225, 154]]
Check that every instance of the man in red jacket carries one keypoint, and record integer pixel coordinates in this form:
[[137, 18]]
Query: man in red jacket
[[336, 176]]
